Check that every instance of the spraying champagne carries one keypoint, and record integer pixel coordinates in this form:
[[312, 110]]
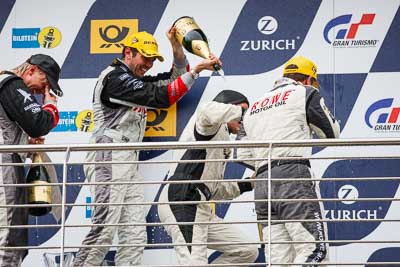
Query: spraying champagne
[[193, 38]]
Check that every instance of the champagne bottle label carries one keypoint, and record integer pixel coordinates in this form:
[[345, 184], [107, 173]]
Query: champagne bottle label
[[183, 26], [39, 193], [192, 38]]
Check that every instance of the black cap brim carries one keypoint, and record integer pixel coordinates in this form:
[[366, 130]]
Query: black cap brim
[[54, 86]]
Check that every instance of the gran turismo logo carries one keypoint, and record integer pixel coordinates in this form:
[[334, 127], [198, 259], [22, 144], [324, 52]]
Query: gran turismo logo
[[384, 116], [347, 32]]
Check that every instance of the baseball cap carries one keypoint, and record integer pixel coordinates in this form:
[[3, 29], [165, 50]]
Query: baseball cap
[[231, 97], [145, 43], [302, 65], [48, 65]]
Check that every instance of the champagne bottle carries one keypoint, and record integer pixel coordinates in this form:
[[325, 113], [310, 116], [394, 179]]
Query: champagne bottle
[[37, 175], [193, 38]]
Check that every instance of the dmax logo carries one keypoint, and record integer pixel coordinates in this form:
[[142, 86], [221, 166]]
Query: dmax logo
[[349, 33], [386, 120]]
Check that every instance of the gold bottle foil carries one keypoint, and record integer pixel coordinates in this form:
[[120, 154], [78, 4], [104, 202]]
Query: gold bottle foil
[[186, 24]]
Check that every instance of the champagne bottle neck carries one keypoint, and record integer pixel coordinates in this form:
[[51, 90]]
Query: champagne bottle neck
[[37, 158]]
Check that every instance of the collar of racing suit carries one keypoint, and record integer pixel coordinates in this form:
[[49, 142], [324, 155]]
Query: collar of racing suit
[[283, 82], [118, 62]]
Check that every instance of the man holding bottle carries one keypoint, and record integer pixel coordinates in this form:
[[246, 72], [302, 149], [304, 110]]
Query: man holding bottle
[[121, 98], [22, 116]]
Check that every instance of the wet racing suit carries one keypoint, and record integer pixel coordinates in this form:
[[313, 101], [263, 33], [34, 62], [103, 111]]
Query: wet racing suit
[[290, 111], [120, 104], [20, 116], [209, 123]]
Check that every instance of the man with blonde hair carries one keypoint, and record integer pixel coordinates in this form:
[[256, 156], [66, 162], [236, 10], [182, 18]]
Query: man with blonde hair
[[21, 117]]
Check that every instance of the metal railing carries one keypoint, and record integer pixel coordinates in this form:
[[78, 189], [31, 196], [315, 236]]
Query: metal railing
[[69, 149]]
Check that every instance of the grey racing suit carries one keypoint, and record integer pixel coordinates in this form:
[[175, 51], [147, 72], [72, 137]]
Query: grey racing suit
[[209, 123], [120, 102], [290, 111], [20, 115]]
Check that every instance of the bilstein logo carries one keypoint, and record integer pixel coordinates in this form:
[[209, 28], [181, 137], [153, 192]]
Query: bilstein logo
[[66, 122], [349, 195], [386, 115], [84, 121], [108, 36], [161, 122], [267, 25], [346, 36], [48, 37], [74, 121]]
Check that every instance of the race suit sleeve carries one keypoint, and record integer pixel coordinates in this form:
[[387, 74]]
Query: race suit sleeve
[[212, 115], [319, 118], [22, 107], [244, 152], [232, 190], [159, 91]]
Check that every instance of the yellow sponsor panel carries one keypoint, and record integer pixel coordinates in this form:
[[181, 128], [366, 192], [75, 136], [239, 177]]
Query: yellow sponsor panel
[[84, 121], [108, 36], [49, 37], [161, 122]]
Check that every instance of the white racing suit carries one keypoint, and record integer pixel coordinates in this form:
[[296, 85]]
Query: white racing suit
[[120, 104], [209, 123], [20, 116], [290, 111]]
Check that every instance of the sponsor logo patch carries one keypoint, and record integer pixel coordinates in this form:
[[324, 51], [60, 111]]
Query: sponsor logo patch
[[347, 31], [161, 122], [383, 115], [108, 36], [47, 37]]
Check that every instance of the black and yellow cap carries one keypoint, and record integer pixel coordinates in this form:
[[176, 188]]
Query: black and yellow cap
[[145, 43], [301, 65]]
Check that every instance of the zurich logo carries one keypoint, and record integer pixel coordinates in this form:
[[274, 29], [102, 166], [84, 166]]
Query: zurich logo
[[267, 25], [348, 193]]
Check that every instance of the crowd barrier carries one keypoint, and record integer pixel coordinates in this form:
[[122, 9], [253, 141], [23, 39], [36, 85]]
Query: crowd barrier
[[67, 257]]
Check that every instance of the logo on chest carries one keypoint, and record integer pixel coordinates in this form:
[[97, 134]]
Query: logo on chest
[[270, 102]]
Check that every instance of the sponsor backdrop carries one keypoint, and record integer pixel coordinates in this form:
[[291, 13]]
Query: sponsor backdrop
[[354, 44]]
